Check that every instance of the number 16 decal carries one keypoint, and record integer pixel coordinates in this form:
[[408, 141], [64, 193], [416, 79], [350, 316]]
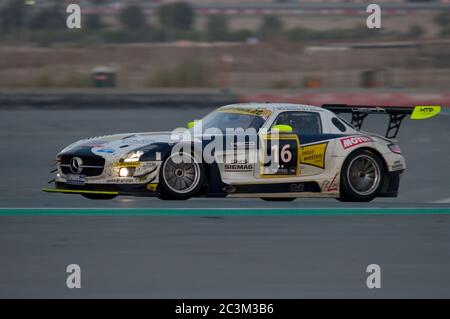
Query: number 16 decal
[[280, 156]]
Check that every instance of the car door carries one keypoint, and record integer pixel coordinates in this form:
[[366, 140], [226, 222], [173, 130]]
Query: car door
[[300, 152], [237, 159]]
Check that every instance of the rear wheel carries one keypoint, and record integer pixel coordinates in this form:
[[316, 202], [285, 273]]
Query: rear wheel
[[181, 177], [361, 177]]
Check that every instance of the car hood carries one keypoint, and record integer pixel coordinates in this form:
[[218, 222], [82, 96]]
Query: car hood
[[114, 146]]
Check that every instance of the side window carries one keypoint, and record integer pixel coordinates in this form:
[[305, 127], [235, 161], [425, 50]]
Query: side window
[[301, 122], [338, 124]]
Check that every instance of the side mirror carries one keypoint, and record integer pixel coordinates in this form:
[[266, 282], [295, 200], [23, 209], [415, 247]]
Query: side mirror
[[282, 128], [191, 124]]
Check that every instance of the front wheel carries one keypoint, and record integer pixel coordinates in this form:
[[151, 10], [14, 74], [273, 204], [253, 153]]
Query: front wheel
[[181, 177], [361, 177]]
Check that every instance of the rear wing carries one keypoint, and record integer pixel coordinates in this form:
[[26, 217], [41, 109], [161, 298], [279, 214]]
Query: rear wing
[[396, 114]]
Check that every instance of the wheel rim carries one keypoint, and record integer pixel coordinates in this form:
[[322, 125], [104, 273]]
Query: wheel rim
[[181, 177], [363, 175]]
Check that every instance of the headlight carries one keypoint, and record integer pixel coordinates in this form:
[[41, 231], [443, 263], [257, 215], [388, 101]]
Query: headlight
[[124, 172], [133, 156]]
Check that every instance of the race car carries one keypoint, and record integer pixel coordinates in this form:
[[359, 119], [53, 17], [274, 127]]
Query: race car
[[272, 151]]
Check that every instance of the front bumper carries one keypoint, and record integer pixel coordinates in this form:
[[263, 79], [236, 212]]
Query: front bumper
[[143, 182], [142, 173]]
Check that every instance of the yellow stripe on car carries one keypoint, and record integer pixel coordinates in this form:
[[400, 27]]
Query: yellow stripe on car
[[75, 191], [127, 164], [264, 113]]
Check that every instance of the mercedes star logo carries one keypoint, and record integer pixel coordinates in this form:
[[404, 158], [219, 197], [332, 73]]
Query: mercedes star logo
[[76, 165]]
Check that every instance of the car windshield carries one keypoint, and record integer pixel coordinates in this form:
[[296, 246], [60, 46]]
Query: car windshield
[[233, 119]]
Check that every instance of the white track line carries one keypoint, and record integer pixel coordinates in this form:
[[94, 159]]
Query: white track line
[[442, 201]]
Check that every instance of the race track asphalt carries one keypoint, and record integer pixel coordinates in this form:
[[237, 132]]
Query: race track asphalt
[[219, 255]]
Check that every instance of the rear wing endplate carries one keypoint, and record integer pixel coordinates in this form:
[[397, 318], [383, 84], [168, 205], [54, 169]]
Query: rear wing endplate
[[396, 114]]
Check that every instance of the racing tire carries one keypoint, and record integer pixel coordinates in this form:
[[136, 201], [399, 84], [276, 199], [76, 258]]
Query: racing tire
[[275, 199], [99, 196], [362, 177], [182, 180]]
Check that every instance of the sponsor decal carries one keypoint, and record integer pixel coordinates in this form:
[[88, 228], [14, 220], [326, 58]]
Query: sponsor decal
[[242, 144], [144, 178], [314, 155], [137, 141], [105, 150], [148, 164], [230, 159], [128, 164], [398, 165], [152, 187], [121, 180], [238, 167], [284, 158], [297, 187], [93, 144], [145, 169], [144, 175], [75, 179], [425, 112], [334, 186], [330, 186], [354, 141], [264, 113]]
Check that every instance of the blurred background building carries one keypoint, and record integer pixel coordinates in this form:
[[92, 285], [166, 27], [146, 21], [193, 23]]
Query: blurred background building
[[240, 45]]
